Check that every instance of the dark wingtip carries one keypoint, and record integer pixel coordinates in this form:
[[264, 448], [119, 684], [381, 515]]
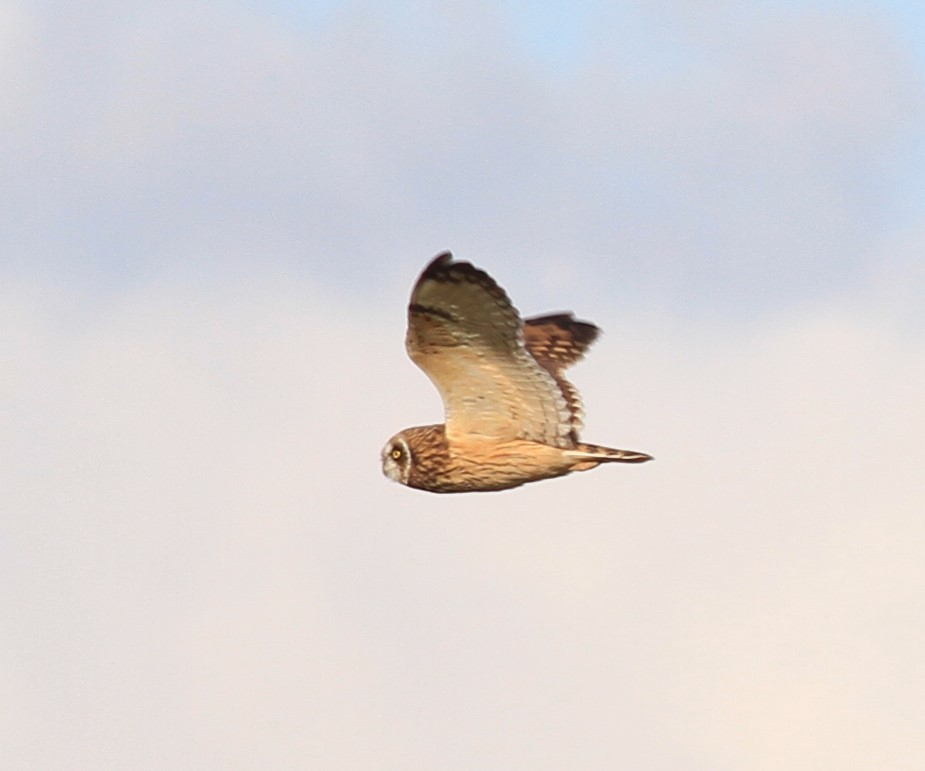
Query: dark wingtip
[[443, 268], [441, 260], [583, 332]]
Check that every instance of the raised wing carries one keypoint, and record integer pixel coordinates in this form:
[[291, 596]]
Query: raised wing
[[557, 341], [469, 340]]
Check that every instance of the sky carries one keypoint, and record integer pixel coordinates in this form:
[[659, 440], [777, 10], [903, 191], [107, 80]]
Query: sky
[[213, 214]]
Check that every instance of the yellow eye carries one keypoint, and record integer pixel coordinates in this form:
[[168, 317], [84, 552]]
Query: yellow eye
[[396, 453]]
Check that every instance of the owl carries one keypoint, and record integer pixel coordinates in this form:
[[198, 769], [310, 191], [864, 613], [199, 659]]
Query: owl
[[511, 416]]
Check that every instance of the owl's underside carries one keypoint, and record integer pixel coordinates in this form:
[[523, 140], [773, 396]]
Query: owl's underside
[[511, 416]]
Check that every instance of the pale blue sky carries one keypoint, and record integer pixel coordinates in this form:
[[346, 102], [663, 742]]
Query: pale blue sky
[[726, 159]]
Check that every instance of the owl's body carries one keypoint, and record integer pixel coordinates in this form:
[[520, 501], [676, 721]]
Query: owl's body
[[511, 416]]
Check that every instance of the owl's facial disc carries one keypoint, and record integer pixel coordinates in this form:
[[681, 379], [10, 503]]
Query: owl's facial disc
[[396, 459]]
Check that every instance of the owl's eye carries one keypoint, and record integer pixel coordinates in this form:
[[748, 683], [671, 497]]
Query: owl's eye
[[396, 453]]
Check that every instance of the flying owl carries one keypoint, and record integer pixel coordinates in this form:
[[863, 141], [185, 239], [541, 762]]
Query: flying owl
[[511, 416]]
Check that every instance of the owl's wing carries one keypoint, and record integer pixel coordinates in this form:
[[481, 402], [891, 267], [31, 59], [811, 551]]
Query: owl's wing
[[557, 341], [469, 340]]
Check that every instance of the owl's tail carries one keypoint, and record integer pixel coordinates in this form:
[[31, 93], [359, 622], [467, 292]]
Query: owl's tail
[[588, 456]]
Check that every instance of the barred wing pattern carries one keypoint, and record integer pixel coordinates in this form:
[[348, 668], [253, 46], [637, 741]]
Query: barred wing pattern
[[557, 341], [469, 339], [511, 416]]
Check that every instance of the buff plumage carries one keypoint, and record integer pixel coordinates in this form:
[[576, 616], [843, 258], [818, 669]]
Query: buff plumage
[[511, 416]]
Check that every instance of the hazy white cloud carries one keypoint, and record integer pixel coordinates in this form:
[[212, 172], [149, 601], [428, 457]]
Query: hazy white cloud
[[217, 213], [206, 567]]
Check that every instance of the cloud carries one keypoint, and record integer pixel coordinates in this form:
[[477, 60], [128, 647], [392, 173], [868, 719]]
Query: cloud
[[758, 170], [205, 565]]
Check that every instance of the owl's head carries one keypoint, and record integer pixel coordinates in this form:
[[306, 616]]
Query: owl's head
[[397, 459], [416, 457]]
